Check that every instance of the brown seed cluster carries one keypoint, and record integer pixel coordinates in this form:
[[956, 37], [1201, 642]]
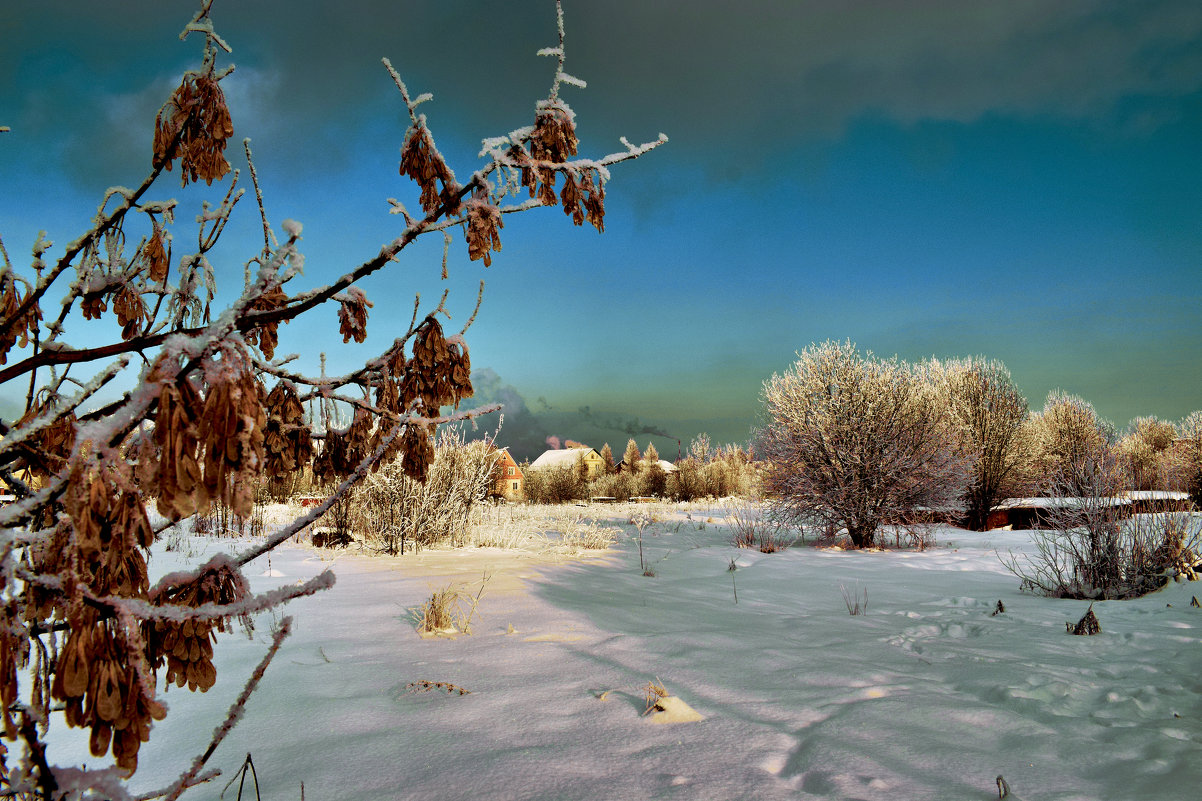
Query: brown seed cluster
[[439, 374], [266, 335], [100, 673], [583, 197], [10, 303], [50, 446], [131, 312], [483, 223], [194, 126], [14, 655], [421, 161], [223, 433], [553, 141], [104, 690], [155, 256], [352, 315], [186, 647], [233, 422], [287, 441]]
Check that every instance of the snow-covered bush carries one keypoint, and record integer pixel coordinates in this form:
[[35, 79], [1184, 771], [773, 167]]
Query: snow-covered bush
[[210, 411], [1092, 549], [1185, 457], [554, 484], [1145, 452], [854, 441], [391, 509]]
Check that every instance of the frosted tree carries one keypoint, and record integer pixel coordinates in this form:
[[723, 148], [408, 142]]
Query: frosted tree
[[212, 412], [607, 460], [1145, 453], [632, 457], [1068, 439], [1185, 458], [854, 441], [991, 414]]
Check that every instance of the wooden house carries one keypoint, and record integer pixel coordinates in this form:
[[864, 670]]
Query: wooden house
[[568, 458], [507, 477]]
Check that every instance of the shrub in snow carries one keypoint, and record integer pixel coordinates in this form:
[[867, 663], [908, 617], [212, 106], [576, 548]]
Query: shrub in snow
[[83, 630], [1092, 549], [1185, 459], [389, 508], [854, 441], [554, 484], [1145, 454]]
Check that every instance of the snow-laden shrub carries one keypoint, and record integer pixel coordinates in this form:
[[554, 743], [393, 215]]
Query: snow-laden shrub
[[554, 485], [390, 509], [1091, 550]]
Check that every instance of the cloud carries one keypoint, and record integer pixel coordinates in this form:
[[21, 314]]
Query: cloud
[[724, 80]]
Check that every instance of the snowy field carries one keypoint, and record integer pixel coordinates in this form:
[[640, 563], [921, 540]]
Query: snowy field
[[926, 696]]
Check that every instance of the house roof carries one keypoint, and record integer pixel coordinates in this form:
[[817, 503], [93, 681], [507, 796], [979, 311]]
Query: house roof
[[666, 466], [1155, 495], [564, 457], [1058, 503]]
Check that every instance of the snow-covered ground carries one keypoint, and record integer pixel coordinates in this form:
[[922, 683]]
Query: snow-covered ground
[[926, 696]]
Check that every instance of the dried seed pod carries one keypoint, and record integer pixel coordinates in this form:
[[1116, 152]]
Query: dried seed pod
[[194, 126], [419, 451], [352, 315], [10, 303], [421, 161], [287, 440], [232, 425], [186, 646], [155, 256], [483, 223], [570, 196], [179, 484], [52, 444], [554, 136], [266, 335], [93, 304], [593, 186], [130, 311]]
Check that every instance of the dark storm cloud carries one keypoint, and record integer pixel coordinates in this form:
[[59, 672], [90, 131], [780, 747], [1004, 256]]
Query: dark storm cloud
[[741, 79]]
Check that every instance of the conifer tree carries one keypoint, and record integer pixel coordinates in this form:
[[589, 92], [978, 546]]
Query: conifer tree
[[652, 455], [632, 456], [607, 460]]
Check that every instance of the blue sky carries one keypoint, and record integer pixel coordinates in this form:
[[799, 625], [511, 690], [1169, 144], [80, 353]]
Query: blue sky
[[1020, 180]]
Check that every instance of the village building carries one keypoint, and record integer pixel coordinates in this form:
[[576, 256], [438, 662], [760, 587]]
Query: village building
[[568, 458], [664, 465], [1031, 513], [507, 477], [1146, 501]]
